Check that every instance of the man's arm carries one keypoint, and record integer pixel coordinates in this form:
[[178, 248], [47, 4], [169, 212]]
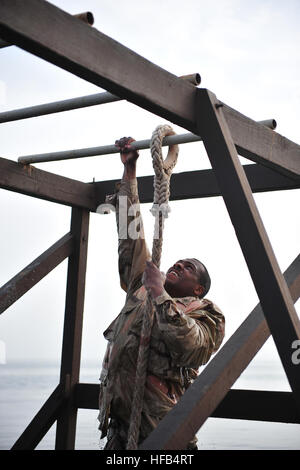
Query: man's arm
[[191, 338], [132, 249]]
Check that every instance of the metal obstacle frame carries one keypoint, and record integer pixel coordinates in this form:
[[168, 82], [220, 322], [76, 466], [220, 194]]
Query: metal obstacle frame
[[226, 133]]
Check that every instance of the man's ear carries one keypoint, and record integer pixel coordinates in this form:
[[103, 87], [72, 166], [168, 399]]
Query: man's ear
[[199, 290]]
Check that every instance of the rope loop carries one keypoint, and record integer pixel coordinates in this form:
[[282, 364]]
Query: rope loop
[[163, 170], [163, 167]]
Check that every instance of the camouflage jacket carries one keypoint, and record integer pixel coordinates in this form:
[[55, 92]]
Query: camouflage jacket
[[186, 332]]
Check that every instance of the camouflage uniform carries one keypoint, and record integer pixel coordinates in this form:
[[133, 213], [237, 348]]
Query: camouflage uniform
[[186, 332]]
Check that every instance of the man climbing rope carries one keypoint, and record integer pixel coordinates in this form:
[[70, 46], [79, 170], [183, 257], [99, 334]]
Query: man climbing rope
[[187, 329]]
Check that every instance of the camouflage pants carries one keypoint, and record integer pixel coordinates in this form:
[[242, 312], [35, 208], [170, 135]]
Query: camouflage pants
[[117, 437]]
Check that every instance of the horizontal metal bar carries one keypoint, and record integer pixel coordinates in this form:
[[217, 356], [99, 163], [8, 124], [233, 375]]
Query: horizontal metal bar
[[83, 102], [86, 17], [35, 271], [110, 149], [104, 149], [57, 106], [193, 78], [270, 123]]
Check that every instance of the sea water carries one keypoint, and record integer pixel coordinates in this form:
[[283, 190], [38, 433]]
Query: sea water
[[24, 388]]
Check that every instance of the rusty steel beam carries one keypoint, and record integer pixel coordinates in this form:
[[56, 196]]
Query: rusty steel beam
[[48, 186], [87, 17], [201, 399], [262, 264], [257, 405], [35, 271], [259, 144], [200, 184], [72, 334], [95, 57], [45, 185], [87, 396]]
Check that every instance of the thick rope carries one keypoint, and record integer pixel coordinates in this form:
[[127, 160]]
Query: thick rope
[[163, 170]]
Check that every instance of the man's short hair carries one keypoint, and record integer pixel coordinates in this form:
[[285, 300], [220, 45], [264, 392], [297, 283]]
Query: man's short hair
[[204, 277]]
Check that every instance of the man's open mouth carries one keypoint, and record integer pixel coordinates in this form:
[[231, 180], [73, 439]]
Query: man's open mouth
[[173, 274]]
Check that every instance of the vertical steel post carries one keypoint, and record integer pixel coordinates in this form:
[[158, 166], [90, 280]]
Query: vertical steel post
[[270, 285], [71, 348]]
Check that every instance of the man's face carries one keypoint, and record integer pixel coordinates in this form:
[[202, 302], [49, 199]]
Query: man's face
[[182, 279]]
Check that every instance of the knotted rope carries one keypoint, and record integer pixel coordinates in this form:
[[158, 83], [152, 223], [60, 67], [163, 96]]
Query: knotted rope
[[163, 170]]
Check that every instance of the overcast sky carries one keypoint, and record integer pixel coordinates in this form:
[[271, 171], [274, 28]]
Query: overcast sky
[[247, 53]]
